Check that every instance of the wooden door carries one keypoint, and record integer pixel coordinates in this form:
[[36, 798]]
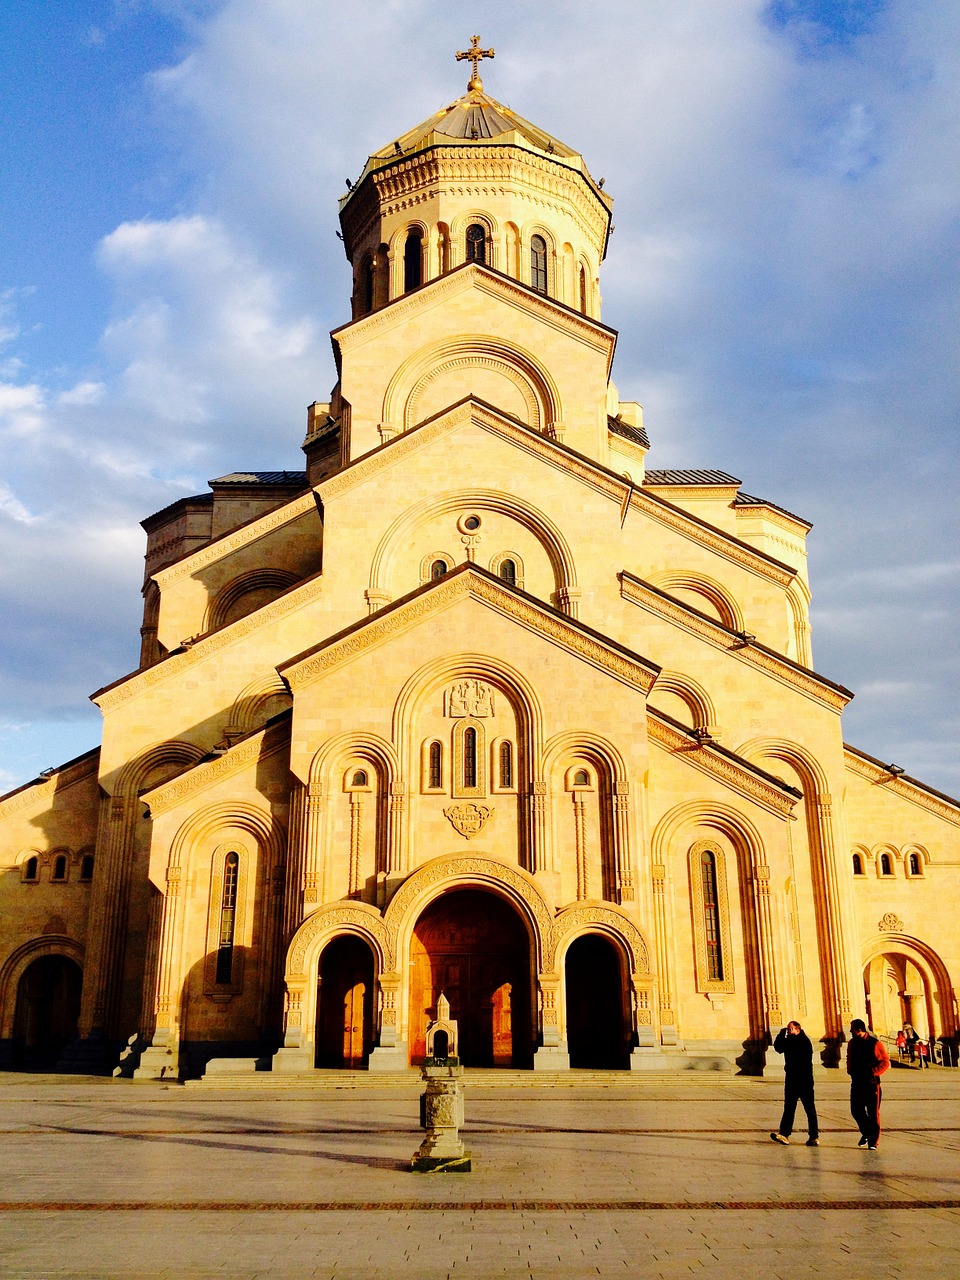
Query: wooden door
[[345, 1005]]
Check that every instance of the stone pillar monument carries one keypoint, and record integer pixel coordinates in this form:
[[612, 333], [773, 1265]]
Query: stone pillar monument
[[441, 1103]]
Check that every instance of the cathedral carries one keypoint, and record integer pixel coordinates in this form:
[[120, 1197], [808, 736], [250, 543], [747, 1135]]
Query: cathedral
[[476, 705]]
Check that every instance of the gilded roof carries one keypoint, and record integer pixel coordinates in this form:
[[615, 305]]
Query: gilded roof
[[477, 118]]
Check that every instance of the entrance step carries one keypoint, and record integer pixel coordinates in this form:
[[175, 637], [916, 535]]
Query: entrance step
[[476, 1077]]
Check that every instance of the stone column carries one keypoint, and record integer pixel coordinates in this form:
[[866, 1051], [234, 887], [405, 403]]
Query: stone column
[[668, 1017], [107, 921], [579, 823], [540, 854], [621, 826], [766, 945], [161, 1059]]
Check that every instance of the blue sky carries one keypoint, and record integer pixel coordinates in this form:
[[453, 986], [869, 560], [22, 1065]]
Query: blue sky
[[784, 276]]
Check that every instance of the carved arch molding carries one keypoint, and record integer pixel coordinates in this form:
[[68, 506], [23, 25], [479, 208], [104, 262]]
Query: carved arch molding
[[385, 933]]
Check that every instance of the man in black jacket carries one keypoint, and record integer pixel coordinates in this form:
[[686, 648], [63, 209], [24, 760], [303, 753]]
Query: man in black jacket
[[797, 1052]]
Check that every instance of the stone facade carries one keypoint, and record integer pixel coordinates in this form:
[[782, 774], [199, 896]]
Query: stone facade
[[474, 704]]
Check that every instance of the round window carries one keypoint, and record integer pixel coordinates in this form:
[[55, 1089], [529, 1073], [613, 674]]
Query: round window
[[469, 524]]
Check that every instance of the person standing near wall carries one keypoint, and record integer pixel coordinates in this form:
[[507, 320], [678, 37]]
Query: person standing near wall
[[794, 1043], [867, 1060]]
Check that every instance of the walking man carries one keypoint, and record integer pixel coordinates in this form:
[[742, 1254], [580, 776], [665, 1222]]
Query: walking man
[[867, 1060], [794, 1043]]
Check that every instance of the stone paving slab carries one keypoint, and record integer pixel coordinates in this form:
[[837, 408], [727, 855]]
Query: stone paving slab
[[114, 1179]]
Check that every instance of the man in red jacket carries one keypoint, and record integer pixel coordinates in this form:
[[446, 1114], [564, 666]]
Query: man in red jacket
[[867, 1060]]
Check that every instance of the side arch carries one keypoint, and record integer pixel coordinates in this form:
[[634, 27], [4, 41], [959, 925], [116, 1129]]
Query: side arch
[[702, 710], [249, 706], [223, 607], [595, 917], [928, 961], [16, 965], [701, 584]]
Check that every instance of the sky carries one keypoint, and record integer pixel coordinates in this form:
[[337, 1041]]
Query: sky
[[783, 274]]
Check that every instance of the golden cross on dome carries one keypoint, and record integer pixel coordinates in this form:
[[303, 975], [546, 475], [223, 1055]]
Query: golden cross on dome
[[473, 55]]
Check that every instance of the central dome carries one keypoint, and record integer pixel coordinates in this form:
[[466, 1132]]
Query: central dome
[[475, 182]]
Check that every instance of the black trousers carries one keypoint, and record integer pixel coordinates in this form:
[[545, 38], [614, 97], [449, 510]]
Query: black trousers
[[795, 1091], [865, 1098]]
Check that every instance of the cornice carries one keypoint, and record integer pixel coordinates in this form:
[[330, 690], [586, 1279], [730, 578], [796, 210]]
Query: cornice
[[139, 681], [41, 792], [755, 655], [265, 742], [694, 492], [235, 539], [728, 771], [424, 433], [794, 525], [902, 786], [465, 583], [472, 276], [724, 544]]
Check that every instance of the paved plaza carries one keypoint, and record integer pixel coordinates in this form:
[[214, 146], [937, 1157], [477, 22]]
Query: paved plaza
[[649, 1176]]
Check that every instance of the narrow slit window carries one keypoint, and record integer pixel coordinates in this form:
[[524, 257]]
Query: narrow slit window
[[228, 919], [711, 915], [538, 264], [470, 757], [476, 243], [506, 764], [31, 869], [413, 261], [367, 283], [435, 766], [60, 868], [915, 864], [886, 866], [583, 291], [86, 867], [857, 865]]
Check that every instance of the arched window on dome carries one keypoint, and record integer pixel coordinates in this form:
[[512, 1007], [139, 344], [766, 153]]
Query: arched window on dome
[[438, 569], [583, 291], [413, 260], [367, 282], [538, 264], [476, 243]]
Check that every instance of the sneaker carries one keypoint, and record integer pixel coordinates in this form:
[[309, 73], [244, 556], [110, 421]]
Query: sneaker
[[872, 1146], [813, 1142], [778, 1137], [862, 1142]]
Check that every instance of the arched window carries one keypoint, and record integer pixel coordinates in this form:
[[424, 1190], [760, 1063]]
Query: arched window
[[31, 869], [886, 866], [359, 778], [710, 910], [367, 279], [581, 778], [438, 569], [914, 864], [506, 765], [86, 867], [470, 757], [435, 766], [538, 264], [413, 260], [711, 915], [508, 571], [228, 919], [476, 243], [583, 291], [857, 865], [59, 868]]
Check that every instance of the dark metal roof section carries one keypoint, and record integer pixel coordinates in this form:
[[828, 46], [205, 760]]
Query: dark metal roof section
[[654, 477], [637, 435], [748, 500], [291, 478]]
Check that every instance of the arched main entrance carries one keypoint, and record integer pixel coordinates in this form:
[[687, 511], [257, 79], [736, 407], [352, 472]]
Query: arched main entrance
[[596, 1014], [472, 947], [345, 1004], [48, 1006]]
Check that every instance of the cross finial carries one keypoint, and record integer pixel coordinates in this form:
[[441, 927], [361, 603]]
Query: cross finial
[[473, 55]]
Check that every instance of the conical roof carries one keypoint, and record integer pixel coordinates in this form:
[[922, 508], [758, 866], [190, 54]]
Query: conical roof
[[478, 119]]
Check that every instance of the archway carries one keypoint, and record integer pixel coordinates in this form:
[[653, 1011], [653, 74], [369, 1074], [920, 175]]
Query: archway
[[899, 993], [345, 1004], [596, 1013], [48, 1008], [472, 947]]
